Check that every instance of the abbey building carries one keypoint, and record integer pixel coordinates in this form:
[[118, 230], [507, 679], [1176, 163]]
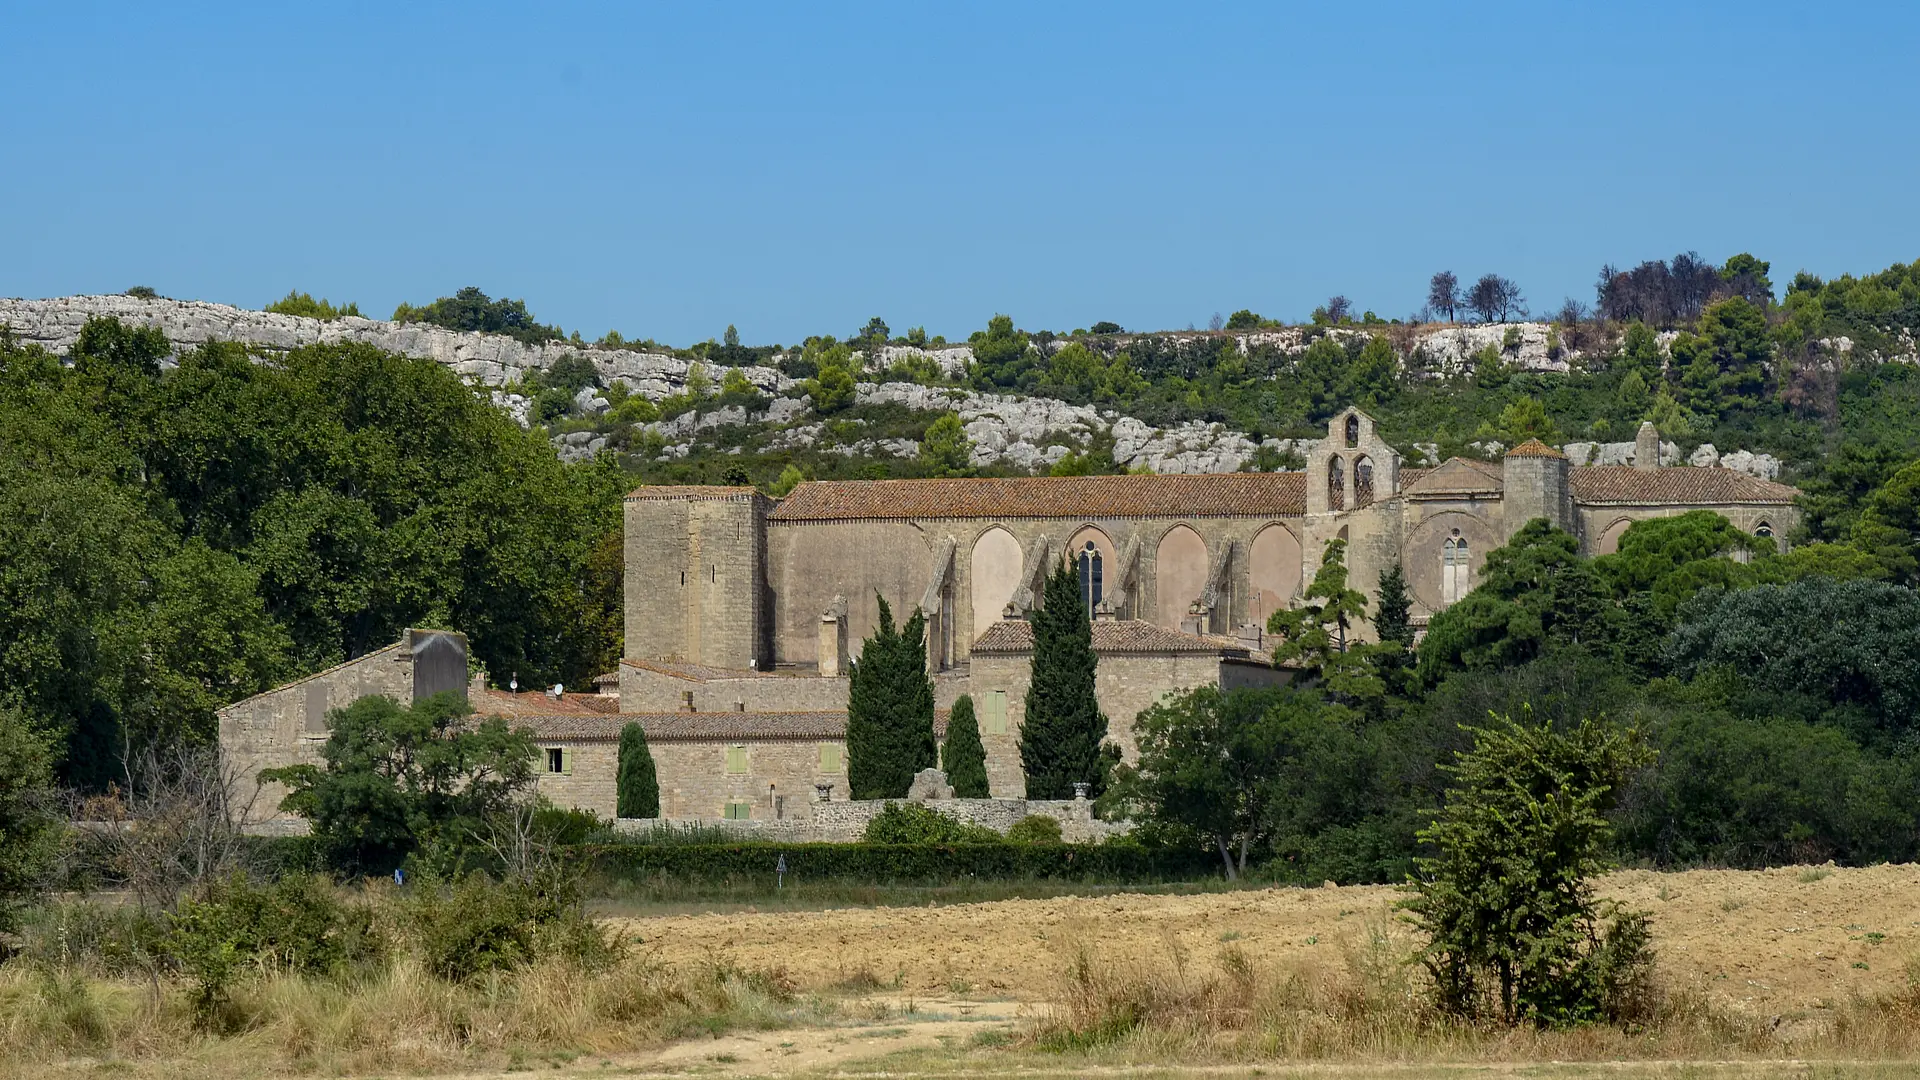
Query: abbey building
[[743, 612]]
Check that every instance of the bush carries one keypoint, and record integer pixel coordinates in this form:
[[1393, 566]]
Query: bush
[[1035, 829], [305, 306], [296, 925], [476, 925], [913, 823], [868, 863]]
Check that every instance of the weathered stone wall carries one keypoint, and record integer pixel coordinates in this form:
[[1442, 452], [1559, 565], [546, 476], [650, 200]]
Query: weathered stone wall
[[808, 565], [288, 725], [1125, 684], [643, 690], [1428, 523], [1601, 525], [841, 822], [695, 585]]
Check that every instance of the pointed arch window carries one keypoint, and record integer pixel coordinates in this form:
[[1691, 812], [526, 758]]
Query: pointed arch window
[[1353, 431], [1336, 484], [1765, 528], [1362, 481], [1454, 568], [1092, 577]]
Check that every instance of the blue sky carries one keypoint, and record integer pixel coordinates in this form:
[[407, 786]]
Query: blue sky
[[794, 169]]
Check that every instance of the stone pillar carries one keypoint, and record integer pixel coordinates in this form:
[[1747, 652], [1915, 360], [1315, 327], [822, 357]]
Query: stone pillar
[[833, 639], [1646, 446]]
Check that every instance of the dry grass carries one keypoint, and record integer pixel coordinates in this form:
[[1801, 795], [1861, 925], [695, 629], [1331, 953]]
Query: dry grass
[[398, 1017], [1373, 1007]]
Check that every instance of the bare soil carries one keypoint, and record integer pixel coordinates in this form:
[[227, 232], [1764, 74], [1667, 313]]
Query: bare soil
[[1764, 942]]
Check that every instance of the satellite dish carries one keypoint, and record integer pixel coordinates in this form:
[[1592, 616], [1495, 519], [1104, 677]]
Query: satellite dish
[[557, 689]]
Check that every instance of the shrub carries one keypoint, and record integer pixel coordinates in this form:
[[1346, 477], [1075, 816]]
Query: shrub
[[870, 863], [476, 925], [913, 823], [1035, 829], [27, 824], [296, 925], [964, 757], [637, 784], [305, 306]]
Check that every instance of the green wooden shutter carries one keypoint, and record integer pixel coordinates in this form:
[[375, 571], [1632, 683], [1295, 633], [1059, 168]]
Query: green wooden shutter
[[997, 712], [736, 759], [829, 757]]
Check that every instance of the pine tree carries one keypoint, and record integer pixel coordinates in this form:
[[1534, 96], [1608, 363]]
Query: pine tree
[[890, 710], [1060, 737], [1394, 621], [636, 783], [964, 758]]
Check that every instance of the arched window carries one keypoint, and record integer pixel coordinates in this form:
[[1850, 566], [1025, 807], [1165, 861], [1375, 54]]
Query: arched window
[[1353, 431], [1763, 529], [1336, 484], [1362, 481], [1092, 576], [1454, 582]]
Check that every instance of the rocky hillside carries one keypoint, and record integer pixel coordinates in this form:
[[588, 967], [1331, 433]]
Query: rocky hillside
[[1022, 433]]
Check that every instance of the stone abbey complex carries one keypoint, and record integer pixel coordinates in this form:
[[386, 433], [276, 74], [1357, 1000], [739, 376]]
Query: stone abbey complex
[[743, 612]]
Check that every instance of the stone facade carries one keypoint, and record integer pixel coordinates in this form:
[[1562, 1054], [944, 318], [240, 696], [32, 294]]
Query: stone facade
[[840, 822], [288, 725]]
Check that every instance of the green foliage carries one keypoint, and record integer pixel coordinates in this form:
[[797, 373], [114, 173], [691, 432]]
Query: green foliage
[[1393, 614], [305, 306], [296, 924], [1035, 829], [790, 477], [876, 864], [964, 757], [475, 927], [1001, 354], [946, 450], [471, 309], [29, 824], [832, 389], [1313, 636], [637, 784], [1061, 733], [142, 292], [889, 709], [1533, 592], [1244, 319], [1515, 931], [399, 782], [915, 823]]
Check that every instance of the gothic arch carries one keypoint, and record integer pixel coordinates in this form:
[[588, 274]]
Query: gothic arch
[[1362, 481], [1443, 555], [1336, 482], [1091, 551], [993, 573], [1609, 539], [1179, 574], [1273, 571]]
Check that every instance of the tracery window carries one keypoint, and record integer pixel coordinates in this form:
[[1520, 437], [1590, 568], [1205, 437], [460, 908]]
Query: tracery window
[[1454, 570], [1092, 577], [1336, 484], [1362, 482]]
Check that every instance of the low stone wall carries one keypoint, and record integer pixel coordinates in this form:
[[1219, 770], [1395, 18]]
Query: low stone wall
[[843, 822]]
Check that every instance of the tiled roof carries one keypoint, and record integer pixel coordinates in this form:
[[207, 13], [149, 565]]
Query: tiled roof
[[1454, 476], [704, 673], [1202, 495], [1673, 486], [671, 492], [1110, 636], [1534, 448], [539, 703], [611, 678], [703, 726]]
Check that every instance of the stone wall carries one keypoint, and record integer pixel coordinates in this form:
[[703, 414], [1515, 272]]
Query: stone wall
[[695, 586], [843, 822], [1125, 685], [645, 690], [695, 783], [288, 725]]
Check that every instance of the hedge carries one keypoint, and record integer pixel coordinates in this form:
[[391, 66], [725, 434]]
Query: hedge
[[896, 863]]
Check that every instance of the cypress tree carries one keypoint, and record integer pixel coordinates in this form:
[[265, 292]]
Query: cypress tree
[[636, 783], [1060, 737], [1394, 621], [964, 757], [890, 710]]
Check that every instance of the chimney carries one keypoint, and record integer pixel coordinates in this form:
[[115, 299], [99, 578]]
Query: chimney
[[1103, 612], [686, 701], [833, 639], [1195, 622], [739, 706], [1646, 446]]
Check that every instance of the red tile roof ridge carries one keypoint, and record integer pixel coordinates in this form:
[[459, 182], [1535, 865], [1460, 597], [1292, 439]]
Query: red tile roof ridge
[[1089, 497]]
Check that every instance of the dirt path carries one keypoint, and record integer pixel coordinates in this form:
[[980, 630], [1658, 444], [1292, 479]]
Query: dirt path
[[1764, 941]]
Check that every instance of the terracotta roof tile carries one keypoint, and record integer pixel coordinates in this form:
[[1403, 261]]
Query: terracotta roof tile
[[1677, 485], [539, 703], [703, 726], [1534, 448], [704, 673], [687, 492], [1203, 495], [1110, 636]]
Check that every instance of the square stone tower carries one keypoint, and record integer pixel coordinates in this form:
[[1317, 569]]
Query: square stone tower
[[696, 577]]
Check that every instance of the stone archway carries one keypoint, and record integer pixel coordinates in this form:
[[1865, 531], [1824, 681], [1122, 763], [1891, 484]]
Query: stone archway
[[1179, 575], [1609, 541], [993, 573], [1273, 571]]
